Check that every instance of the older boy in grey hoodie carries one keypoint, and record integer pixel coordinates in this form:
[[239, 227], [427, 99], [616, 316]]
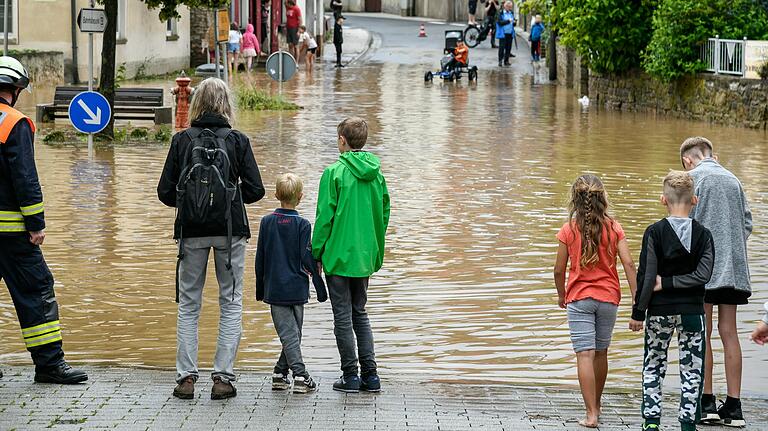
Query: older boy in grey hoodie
[[724, 210]]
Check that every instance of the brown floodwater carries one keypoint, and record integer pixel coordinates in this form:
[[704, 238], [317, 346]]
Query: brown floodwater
[[478, 176]]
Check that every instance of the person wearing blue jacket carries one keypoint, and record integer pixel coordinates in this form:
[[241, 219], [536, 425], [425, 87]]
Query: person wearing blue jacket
[[505, 32], [284, 264], [536, 32]]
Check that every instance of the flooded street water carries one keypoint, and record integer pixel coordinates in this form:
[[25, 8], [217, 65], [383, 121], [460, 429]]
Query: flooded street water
[[479, 177]]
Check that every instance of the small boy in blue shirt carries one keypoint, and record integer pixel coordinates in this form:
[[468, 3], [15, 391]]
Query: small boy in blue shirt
[[284, 264], [536, 32]]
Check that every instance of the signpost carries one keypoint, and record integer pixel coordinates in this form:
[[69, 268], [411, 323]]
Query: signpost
[[281, 66], [88, 112], [221, 32], [755, 54]]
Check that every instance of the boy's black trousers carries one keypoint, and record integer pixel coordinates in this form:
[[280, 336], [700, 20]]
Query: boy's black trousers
[[338, 53], [30, 283]]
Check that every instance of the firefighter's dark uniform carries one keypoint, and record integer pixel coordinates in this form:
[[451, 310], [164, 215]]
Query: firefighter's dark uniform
[[22, 266]]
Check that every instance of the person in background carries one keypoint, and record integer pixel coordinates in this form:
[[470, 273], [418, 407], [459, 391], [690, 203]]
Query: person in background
[[675, 264], [505, 32], [351, 222], [233, 48], [265, 13], [336, 7], [724, 210], [22, 232], [537, 31], [212, 113], [591, 240], [308, 43], [292, 23], [338, 38], [760, 334], [472, 9], [251, 47], [284, 265], [491, 12]]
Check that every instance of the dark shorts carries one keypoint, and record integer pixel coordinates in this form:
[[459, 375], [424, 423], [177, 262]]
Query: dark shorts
[[312, 50], [472, 7], [726, 296], [293, 36]]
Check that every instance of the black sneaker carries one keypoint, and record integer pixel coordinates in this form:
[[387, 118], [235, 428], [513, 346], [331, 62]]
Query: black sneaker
[[370, 383], [280, 382], [500, 64], [62, 374], [304, 385], [348, 384], [730, 413], [709, 409]]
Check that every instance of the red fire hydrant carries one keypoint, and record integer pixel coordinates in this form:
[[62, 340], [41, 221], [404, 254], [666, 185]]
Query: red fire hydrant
[[183, 92]]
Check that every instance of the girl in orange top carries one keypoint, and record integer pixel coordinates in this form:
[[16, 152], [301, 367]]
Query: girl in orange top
[[592, 240]]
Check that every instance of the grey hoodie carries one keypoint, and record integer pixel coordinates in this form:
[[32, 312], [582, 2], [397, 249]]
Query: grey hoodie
[[724, 210]]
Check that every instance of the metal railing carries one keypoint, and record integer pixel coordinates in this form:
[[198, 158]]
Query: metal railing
[[726, 56]]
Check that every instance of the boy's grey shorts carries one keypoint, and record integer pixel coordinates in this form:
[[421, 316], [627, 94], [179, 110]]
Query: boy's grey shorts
[[591, 323]]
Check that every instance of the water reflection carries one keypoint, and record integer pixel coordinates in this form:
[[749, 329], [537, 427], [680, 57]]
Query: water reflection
[[479, 178]]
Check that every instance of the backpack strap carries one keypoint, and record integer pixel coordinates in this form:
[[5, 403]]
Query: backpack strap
[[223, 133]]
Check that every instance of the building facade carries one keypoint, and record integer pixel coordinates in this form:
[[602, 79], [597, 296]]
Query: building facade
[[145, 45]]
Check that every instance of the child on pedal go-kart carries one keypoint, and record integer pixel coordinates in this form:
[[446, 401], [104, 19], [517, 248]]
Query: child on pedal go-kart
[[458, 58]]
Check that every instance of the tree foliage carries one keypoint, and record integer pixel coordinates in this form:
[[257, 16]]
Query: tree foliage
[[609, 34], [169, 8]]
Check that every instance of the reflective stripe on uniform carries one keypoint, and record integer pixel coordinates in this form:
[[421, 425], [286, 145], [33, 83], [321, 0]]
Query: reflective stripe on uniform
[[12, 227], [11, 216], [32, 209], [39, 335], [10, 117]]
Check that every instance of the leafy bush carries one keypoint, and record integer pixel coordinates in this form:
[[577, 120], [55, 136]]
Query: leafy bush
[[763, 70], [253, 99], [609, 34], [163, 134], [681, 27], [139, 134]]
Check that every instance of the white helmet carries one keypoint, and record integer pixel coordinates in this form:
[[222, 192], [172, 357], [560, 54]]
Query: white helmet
[[13, 73]]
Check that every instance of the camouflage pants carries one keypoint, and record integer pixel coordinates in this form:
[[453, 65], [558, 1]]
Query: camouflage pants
[[658, 335]]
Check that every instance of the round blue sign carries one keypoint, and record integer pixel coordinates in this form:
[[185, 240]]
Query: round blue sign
[[89, 112]]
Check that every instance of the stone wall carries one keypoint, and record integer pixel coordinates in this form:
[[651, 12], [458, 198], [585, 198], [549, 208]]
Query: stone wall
[[718, 99], [42, 66], [199, 22], [571, 71]]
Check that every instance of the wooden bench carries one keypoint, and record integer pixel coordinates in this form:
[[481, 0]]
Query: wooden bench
[[130, 104]]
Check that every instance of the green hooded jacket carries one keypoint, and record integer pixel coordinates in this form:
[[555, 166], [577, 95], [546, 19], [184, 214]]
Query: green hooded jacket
[[352, 216]]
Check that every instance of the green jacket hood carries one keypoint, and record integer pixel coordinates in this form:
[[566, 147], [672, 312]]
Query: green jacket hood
[[363, 165]]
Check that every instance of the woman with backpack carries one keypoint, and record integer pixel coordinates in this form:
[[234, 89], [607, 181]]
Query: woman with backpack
[[209, 175]]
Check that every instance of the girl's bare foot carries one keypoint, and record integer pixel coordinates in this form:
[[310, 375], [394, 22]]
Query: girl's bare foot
[[589, 422]]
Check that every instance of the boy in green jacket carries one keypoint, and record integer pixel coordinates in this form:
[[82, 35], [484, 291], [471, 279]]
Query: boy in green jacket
[[348, 242]]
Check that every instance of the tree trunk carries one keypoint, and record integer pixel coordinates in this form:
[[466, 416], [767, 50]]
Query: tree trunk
[[107, 78]]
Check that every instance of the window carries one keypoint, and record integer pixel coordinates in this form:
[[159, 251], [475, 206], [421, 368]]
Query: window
[[121, 36], [12, 8], [171, 29]]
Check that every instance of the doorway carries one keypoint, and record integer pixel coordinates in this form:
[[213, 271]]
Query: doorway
[[373, 5]]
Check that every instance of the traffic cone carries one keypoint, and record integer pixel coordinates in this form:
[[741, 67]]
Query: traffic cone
[[422, 31]]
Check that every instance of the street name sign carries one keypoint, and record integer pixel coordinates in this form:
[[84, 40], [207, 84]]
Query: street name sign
[[281, 66], [89, 112], [92, 20]]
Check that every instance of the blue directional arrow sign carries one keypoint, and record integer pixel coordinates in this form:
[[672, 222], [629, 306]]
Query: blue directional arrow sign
[[89, 112]]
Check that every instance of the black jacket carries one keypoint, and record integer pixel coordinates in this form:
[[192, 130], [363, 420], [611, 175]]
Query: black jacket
[[338, 34], [21, 198], [683, 274], [284, 260], [244, 169]]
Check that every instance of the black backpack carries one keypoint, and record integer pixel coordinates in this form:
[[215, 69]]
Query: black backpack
[[204, 192]]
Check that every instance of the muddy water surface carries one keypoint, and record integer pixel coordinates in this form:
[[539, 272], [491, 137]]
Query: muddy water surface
[[479, 178]]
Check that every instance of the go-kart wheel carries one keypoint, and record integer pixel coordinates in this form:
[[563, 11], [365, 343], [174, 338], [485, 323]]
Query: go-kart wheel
[[472, 75], [472, 36], [428, 77], [451, 76]]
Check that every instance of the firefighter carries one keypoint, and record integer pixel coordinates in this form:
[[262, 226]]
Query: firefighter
[[22, 231]]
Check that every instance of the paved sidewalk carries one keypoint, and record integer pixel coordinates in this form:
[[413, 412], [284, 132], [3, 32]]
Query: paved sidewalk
[[138, 399]]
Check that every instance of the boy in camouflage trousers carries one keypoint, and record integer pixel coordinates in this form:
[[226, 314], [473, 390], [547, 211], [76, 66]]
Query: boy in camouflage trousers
[[675, 264]]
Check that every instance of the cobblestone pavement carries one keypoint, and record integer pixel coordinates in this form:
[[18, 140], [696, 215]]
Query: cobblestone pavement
[[136, 399]]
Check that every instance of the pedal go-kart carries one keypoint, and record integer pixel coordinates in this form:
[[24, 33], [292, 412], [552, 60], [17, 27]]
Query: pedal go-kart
[[452, 37]]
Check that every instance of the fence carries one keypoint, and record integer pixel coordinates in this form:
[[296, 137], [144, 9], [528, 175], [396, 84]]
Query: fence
[[726, 56]]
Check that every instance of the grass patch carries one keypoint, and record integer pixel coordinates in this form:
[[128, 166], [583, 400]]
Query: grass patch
[[123, 135], [253, 99]]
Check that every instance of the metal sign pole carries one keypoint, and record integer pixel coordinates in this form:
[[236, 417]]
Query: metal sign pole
[[5, 27], [280, 55], [225, 57], [90, 81], [216, 40]]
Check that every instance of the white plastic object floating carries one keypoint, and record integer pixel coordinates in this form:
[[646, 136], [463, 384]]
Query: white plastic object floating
[[584, 100]]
